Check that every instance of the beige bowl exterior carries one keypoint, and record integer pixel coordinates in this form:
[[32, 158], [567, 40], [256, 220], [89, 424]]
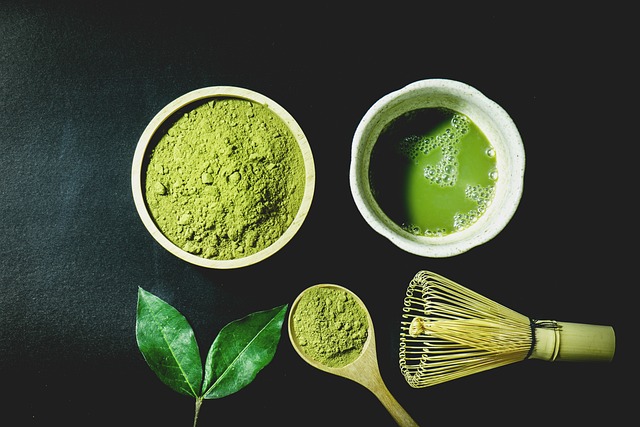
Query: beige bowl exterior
[[497, 126], [142, 151]]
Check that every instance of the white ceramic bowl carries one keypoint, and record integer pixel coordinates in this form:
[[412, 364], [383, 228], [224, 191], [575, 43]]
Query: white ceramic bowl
[[496, 125], [145, 145]]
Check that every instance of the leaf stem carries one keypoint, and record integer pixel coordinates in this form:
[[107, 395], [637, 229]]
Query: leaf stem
[[198, 404]]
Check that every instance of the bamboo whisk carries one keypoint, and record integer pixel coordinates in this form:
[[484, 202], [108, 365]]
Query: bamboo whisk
[[449, 331]]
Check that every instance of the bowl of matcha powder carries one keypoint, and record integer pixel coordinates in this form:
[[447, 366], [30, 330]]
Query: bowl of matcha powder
[[223, 177]]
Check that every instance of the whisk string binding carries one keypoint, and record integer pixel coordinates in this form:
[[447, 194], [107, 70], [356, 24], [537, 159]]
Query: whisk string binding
[[547, 324]]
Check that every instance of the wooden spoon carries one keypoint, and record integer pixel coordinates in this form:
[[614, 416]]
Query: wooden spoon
[[363, 370]]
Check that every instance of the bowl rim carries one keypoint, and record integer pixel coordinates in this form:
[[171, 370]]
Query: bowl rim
[[488, 115], [140, 154]]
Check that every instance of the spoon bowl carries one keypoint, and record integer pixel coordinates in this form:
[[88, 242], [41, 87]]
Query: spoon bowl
[[364, 370]]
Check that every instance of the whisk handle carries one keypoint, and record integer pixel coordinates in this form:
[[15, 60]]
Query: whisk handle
[[573, 342]]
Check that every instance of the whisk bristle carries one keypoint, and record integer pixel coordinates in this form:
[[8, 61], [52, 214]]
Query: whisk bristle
[[449, 331]]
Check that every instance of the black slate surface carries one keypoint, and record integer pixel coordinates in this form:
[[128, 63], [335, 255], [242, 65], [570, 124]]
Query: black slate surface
[[79, 81]]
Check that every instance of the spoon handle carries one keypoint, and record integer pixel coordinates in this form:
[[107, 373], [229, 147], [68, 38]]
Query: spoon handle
[[402, 417]]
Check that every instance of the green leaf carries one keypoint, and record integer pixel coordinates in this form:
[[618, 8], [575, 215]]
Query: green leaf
[[168, 344], [241, 350]]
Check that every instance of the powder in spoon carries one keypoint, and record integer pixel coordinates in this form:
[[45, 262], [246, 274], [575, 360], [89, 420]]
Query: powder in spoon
[[226, 180], [331, 326]]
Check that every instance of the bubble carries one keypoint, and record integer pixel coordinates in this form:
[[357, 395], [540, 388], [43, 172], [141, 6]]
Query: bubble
[[426, 145], [438, 232], [493, 174], [482, 196], [408, 146], [460, 221], [429, 172], [460, 122], [491, 152], [412, 228]]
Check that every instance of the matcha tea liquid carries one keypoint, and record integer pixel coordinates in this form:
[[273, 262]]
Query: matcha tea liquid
[[433, 171]]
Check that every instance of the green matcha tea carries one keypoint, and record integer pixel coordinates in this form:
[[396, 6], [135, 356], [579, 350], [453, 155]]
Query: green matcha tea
[[433, 171]]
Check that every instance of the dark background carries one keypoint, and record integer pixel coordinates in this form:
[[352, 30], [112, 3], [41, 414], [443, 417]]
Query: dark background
[[79, 81]]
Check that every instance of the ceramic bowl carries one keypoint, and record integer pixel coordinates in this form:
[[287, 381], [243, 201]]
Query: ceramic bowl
[[149, 138], [492, 120]]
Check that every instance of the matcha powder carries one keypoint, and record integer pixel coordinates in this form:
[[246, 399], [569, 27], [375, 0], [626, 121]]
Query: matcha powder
[[226, 180], [331, 326]]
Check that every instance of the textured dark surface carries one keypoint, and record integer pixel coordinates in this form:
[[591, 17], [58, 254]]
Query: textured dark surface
[[78, 84]]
